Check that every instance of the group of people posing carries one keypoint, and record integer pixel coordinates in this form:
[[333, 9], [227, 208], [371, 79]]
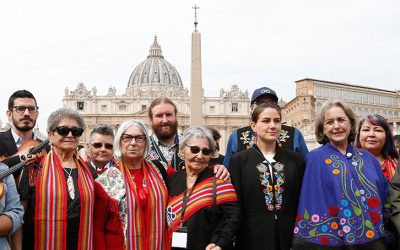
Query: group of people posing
[[161, 191]]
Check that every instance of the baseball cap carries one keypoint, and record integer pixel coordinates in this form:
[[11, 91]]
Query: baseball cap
[[263, 91]]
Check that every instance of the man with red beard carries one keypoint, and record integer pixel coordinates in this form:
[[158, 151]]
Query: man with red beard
[[165, 139], [22, 114]]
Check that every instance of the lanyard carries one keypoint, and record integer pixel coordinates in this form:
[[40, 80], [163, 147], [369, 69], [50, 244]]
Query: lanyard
[[153, 142], [184, 203], [161, 155]]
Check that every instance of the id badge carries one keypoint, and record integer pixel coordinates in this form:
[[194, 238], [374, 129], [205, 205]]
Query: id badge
[[179, 238]]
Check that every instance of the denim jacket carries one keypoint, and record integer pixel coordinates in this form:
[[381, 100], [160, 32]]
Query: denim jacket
[[10, 205]]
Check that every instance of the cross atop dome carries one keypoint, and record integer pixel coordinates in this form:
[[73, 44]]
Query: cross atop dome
[[155, 49]]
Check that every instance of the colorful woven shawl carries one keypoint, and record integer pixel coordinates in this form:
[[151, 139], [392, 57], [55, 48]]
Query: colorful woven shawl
[[202, 196], [51, 205], [139, 235], [341, 198]]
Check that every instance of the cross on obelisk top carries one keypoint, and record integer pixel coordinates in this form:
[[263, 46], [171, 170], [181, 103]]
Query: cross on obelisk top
[[195, 15]]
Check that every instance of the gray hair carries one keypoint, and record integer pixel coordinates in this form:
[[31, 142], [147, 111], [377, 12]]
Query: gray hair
[[198, 132], [124, 126], [101, 129], [56, 117], [320, 119]]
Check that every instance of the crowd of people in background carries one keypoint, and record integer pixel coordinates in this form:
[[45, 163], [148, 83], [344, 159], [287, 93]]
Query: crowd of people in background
[[132, 189]]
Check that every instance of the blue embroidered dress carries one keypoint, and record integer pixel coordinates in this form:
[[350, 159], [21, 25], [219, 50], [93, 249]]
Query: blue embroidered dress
[[341, 199]]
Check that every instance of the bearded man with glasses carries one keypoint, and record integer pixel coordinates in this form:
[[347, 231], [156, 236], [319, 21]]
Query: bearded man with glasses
[[22, 114]]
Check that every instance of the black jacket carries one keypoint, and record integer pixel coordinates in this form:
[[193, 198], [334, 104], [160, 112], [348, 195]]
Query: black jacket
[[257, 230], [8, 148], [199, 225]]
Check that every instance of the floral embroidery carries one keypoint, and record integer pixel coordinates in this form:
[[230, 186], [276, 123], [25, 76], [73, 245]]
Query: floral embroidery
[[315, 218], [284, 135], [374, 202], [247, 138], [349, 222], [273, 193], [170, 215], [113, 183], [333, 210], [324, 240]]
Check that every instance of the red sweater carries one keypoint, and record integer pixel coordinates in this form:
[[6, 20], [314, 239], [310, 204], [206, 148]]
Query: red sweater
[[108, 233]]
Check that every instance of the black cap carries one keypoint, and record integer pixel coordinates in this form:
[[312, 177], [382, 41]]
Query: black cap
[[263, 91]]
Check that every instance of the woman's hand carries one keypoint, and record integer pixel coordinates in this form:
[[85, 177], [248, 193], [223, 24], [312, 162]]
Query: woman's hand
[[212, 246], [221, 172]]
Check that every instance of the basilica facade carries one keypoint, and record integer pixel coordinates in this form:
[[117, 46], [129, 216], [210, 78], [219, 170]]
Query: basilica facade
[[156, 77]]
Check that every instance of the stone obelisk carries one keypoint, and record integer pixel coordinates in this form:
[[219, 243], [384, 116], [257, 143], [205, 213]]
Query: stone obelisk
[[196, 86]]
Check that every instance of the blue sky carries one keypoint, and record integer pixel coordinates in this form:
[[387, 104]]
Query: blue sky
[[49, 45]]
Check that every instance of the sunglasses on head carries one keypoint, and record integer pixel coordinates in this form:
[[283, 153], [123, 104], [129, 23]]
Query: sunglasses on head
[[100, 145], [197, 149], [64, 131]]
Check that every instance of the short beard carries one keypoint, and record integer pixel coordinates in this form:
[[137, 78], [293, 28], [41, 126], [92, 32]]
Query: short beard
[[164, 135], [24, 128]]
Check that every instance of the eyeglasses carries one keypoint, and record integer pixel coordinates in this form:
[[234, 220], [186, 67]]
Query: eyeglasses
[[197, 149], [128, 138], [64, 131], [21, 109], [98, 145]]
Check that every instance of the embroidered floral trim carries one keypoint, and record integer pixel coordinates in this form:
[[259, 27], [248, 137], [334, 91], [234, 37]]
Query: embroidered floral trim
[[356, 218], [247, 138], [284, 135], [273, 194], [113, 183]]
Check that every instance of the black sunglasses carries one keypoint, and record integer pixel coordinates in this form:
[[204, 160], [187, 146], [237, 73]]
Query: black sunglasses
[[197, 149], [105, 145], [64, 131]]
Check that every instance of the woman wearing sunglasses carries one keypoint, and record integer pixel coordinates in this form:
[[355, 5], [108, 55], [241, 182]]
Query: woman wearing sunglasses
[[202, 212], [101, 148], [59, 198], [267, 179], [131, 197]]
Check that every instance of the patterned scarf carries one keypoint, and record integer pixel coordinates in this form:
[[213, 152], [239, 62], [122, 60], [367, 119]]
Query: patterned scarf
[[341, 198], [389, 168], [202, 196], [51, 205], [140, 235]]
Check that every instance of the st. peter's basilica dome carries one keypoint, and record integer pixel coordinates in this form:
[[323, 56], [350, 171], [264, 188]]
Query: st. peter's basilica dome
[[155, 70]]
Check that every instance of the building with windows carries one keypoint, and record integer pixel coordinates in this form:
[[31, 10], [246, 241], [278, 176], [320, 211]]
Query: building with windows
[[155, 77], [311, 94]]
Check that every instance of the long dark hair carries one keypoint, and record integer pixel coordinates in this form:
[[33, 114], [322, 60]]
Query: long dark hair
[[389, 149]]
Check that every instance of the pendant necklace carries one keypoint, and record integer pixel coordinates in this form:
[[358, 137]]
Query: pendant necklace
[[70, 184]]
